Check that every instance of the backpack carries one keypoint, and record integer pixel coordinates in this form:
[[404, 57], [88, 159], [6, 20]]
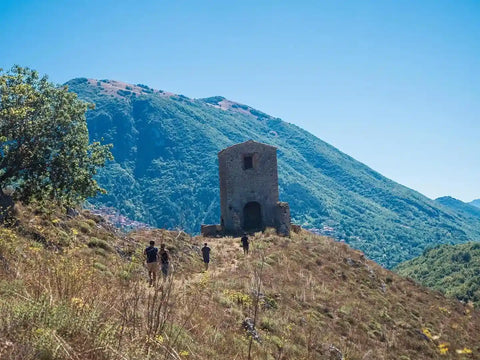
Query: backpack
[[164, 257]]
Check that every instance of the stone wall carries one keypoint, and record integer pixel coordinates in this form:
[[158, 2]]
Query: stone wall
[[211, 230], [249, 188], [282, 217]]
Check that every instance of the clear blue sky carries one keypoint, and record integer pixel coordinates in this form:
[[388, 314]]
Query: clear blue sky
[[395, 84]]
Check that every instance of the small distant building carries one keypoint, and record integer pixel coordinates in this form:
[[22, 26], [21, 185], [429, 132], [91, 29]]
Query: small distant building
[[249, 191]]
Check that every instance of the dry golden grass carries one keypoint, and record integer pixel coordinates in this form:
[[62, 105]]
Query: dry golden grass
[[73, 289]]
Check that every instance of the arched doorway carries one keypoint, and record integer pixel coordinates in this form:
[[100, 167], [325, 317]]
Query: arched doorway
[[252, 216]]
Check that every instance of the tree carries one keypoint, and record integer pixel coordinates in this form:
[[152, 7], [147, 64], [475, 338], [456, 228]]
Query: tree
[[44, 147]]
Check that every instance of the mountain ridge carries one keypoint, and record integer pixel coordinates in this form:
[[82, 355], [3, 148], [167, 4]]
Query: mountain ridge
[[166, 174], [467, 209], [475, 202]]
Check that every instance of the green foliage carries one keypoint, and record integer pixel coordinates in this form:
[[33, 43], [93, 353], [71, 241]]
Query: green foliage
[[214, 100], [451, 269], [99, 243], [166, 174], [463, 209], [44, 148]]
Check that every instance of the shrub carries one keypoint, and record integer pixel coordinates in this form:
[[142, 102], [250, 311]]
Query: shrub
[[268, 324], [63, 239], [123, 92], [84, 227], [100, 266], [99, 243]]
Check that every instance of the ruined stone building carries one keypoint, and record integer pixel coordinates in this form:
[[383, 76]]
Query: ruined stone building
[[249, 190]]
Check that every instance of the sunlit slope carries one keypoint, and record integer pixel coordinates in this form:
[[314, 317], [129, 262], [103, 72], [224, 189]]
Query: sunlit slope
[[71, 288], [451, 269], [165, 172]]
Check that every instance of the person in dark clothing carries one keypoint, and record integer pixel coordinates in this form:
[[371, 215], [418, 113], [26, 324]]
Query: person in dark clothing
[[151, 259], [245, 243], [206, 255], [165, 261]]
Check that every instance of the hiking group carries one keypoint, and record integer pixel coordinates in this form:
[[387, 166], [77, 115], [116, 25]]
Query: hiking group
[[153, 257]]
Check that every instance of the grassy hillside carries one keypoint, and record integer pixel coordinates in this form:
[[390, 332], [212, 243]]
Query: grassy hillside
[[166, 172], [73, 289], [451, 269]]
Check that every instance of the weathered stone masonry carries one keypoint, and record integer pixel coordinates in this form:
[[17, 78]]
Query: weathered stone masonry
[[249, 190]]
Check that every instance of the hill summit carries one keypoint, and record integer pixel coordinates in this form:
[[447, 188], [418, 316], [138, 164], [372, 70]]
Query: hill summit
[[166, 174]]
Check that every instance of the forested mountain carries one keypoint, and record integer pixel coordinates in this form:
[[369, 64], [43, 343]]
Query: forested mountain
[[451, 269], [165, 172], [475, 203], [467, 210]]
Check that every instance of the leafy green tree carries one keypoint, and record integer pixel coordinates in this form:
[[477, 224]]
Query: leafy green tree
[[44, 147]]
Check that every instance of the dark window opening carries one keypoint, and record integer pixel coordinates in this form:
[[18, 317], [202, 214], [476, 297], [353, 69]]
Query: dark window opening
[[248, 162]]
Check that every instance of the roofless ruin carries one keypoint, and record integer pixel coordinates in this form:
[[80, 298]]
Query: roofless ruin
[[249, 191]]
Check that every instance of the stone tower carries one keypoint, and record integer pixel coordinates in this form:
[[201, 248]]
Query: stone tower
[[249, 189]]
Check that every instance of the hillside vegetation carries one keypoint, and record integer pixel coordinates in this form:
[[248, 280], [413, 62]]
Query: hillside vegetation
[[73, 288], [451, 269], [45, 154], [165, 172], [467, 210], [475, 203]]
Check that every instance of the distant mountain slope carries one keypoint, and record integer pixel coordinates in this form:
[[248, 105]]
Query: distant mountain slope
[[451, 269], [467, 210], [165, 172], [475, 203]]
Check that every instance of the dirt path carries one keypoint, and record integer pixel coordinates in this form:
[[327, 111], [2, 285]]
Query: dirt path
[[225, 256], [226, 253]]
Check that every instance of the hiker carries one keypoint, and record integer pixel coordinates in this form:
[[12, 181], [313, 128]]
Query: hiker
[[245, 243], [165, 259], [206, 255], [151, 258]]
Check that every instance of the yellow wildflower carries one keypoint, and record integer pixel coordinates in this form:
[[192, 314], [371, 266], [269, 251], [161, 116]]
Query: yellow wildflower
[[78, 302], [40, 331], [159, 338], [427, 333], [238, 297], [443, 348]]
